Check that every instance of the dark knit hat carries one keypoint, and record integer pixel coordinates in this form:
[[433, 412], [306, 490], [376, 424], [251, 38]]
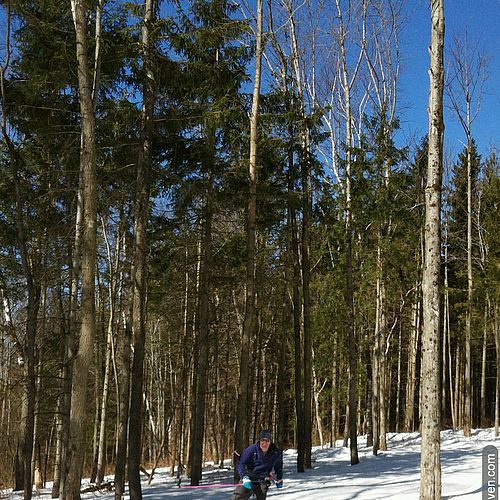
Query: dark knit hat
[[266, 435]]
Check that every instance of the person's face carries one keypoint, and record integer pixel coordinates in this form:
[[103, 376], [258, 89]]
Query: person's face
[[264, 444]]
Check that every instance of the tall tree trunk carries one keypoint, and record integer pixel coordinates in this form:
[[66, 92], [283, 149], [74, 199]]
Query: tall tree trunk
[[109, 351], [293, 253], [121, 365], [63, 401], [101, 454], [293, 259], [193, 380], [385, 403], [447, 357], [450, 380], [468, 73], [58, 464], [83, 358], [306, 297], [97, 393], [458, 386], [349, 286], [398, 384], [29, 262], [24, 453], [334, 433], [468, 316], [69, 347], [180, 407], [317, 408], [377, 353], [383, 67], [483, 419], [369, 392], [281, 376], [124, 352], [349, 298], [196, 452], [249, 320], [430, 464], [139, 273], [305, 261], [299, 406]]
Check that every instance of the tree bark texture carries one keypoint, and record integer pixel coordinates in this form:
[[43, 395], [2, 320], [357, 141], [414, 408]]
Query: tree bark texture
[[83, 359], [349, 286], [430, 465]]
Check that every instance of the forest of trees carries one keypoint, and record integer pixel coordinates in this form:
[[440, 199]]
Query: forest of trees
[[211, 224]]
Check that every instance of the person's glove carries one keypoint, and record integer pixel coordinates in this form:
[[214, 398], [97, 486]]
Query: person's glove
[[279, 484], [247, 483]]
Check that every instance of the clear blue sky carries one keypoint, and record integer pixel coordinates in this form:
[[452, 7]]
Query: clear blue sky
[[481, 19]]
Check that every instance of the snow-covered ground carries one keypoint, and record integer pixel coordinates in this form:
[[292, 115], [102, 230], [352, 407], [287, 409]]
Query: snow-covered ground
[[393, 474]]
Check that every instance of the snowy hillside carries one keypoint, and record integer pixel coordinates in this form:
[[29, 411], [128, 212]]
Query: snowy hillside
[[392, 474]]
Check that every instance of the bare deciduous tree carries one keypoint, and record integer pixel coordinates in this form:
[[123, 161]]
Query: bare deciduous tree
[[348, 78], [467, 75], [382, 56], [430, 464]]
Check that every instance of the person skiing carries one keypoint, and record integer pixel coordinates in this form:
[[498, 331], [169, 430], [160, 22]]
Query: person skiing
[[255, 465]]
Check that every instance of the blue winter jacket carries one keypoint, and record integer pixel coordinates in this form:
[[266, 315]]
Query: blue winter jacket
[[257, 465]]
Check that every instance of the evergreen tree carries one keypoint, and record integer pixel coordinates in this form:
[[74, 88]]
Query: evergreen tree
[[211, 72]]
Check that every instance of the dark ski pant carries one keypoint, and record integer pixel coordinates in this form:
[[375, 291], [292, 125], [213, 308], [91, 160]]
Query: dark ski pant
[[242, 493]]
